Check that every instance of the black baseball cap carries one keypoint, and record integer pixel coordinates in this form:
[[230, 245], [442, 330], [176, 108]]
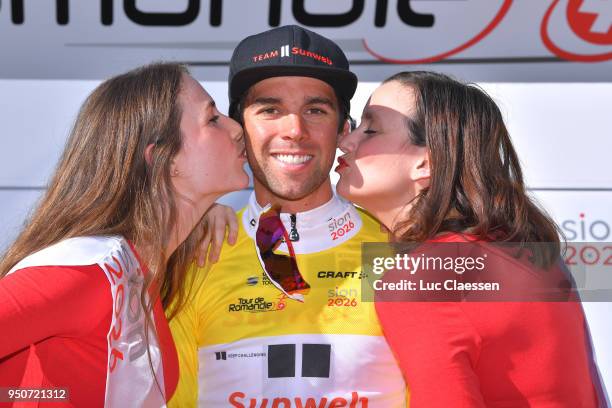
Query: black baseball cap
[[289, 51]]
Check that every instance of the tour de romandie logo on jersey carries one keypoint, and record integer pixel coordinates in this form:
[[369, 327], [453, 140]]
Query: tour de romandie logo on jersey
[[258, 304]]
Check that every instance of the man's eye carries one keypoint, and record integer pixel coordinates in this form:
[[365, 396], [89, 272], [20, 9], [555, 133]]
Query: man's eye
[[214, 119], [316, 111], [369, 131], [269, 111]]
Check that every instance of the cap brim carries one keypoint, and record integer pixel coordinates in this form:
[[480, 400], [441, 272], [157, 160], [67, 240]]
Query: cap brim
[[343, 81]]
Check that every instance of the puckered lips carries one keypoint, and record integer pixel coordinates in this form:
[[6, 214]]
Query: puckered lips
[[342, 164]]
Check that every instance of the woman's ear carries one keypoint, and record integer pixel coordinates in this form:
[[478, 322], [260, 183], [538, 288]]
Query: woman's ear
[[422, 169], [346, 129], [148, 153]]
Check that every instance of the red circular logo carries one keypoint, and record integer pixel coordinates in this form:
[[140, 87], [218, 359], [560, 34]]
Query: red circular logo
[[499, 16], [590, 21]]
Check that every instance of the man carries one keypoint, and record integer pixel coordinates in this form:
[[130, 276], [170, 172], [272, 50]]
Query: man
[[246, 339]]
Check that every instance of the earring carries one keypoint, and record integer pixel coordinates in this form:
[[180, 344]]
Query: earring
[[175, 172]]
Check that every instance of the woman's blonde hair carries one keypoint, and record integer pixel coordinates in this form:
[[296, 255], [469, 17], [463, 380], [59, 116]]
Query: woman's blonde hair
[[104, 186]]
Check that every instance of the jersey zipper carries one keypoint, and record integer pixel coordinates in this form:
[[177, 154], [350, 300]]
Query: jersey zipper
[[293, 234]]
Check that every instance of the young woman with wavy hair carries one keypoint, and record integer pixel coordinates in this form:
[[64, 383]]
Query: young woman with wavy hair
[[83, 287], [433, 161]]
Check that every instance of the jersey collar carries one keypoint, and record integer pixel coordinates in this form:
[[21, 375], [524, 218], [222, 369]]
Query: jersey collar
[[321, 228]]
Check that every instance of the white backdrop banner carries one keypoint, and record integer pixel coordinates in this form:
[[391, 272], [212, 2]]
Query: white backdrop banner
[[479, 40]]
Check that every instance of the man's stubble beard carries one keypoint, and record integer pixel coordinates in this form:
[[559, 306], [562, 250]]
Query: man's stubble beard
[[281, 190]]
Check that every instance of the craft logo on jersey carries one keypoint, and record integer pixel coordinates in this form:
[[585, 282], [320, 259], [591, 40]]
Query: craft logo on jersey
[[579, 30], [341, 275]]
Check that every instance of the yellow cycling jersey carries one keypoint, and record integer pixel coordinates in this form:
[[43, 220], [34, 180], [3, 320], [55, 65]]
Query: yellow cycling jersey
[[242, 343]]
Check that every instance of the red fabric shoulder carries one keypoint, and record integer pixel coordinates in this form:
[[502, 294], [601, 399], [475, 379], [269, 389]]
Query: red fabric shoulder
[[43, 301]]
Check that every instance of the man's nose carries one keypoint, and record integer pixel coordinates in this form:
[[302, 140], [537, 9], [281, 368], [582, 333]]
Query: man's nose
[[293, 127]]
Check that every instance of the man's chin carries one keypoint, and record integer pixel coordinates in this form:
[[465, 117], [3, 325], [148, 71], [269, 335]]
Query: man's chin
[[292, 188], [291, 195], [293, 191]]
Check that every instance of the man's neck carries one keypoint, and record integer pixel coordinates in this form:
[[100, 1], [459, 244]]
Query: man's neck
[[313, 200]]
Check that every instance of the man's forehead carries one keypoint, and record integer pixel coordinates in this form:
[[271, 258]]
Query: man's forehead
[[285, 88]]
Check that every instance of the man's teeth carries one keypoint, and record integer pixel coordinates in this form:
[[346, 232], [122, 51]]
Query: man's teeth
[[293, 158]]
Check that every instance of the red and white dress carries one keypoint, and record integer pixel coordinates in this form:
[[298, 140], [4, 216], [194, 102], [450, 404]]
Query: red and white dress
[[70, 317]]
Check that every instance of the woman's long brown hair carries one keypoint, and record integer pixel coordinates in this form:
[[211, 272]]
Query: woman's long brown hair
[[104, 186], [476, 184]]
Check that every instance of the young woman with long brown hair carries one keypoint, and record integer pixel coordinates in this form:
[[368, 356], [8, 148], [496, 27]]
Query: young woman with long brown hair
[[83, 286], [433, 161]]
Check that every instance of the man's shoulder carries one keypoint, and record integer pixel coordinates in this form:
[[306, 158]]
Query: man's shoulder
[[371, 229], [241, 251]]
